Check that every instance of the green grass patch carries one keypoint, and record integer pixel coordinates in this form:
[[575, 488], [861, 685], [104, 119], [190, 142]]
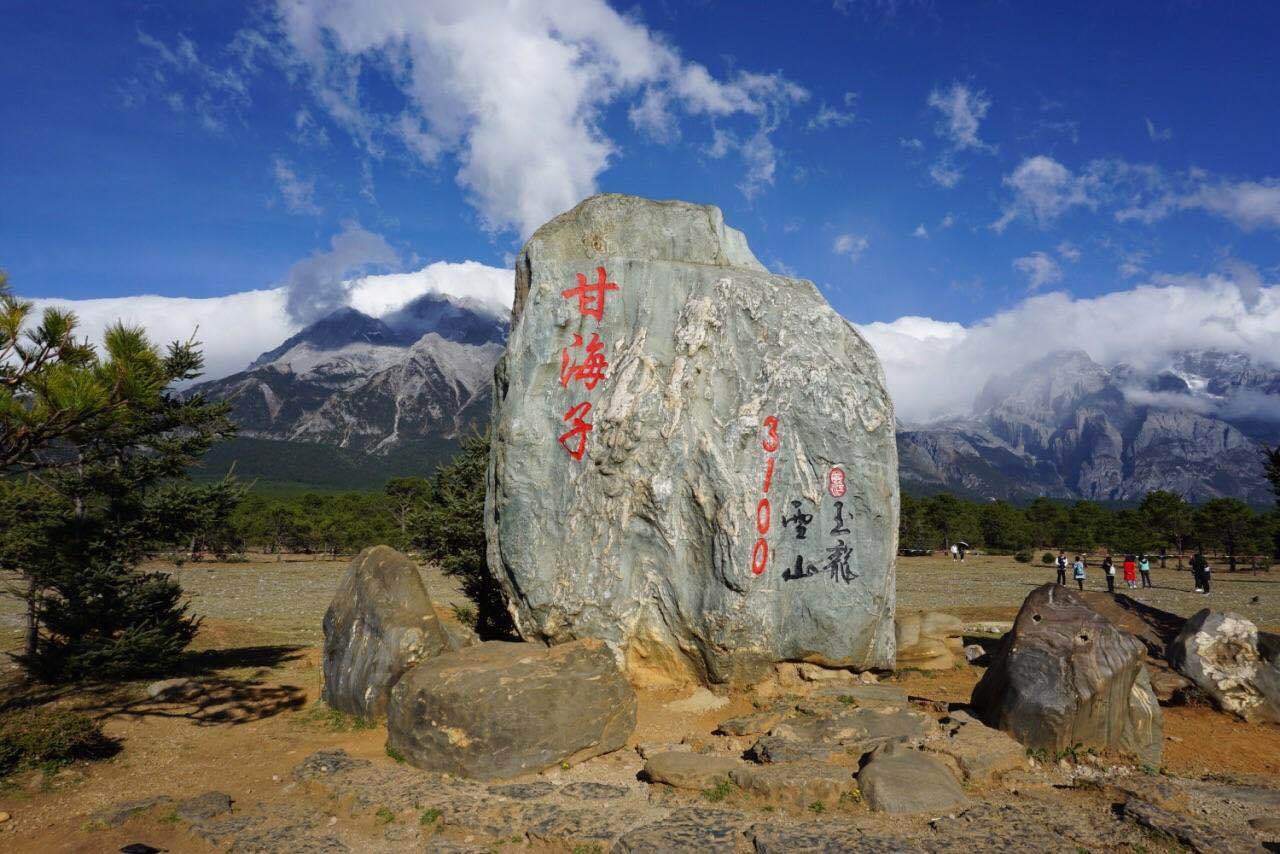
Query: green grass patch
[[429, 816], [49, 739]]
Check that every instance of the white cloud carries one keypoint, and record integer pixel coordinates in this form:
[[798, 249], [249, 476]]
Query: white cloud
[[298, 193], [1157, 135], [237, 328], [911, 144], [828, 116], [945, 173], [1044, 189], [517, 92], [936, 368], [321, 282], [947, 221], [852, 245], [1039, 269], [1069, 251], [963, 110], [1249, 204], [921, 232]]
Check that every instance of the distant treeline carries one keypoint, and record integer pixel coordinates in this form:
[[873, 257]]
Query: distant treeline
[[1163, 520]]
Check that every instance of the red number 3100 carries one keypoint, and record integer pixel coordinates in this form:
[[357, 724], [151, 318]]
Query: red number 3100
[[760, 552]]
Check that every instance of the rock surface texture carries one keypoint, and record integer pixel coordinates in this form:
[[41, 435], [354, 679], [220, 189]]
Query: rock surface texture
[[907, 781], [693, 459], [929, 641], [497, 710], [379, 625], [1065, 675], [1220, 653]]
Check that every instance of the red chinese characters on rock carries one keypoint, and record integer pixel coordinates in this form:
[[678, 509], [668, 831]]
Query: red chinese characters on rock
[[591, 370], [835, 482], [591, 296], [764, 511], [588, 372]]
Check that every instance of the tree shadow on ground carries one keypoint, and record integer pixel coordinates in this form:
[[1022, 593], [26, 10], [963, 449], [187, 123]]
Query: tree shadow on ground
[[200, 689]]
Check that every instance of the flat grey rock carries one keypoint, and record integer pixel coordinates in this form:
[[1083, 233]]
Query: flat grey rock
[[907, 781], [204, 806], [696, 466], [798, 785]]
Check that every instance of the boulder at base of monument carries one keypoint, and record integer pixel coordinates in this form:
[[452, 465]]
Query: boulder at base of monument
[[1066, 676], [929, 641], [693, 459], [1219, 653], [379, 624], [498, 710]]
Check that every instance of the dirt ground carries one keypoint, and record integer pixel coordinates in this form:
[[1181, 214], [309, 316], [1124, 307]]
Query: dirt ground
[[258, 716]]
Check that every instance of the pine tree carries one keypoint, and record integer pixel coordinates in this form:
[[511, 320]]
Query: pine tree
[[96, 449]]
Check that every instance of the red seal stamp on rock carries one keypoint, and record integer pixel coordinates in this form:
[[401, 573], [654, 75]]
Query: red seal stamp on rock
[[835, 482]]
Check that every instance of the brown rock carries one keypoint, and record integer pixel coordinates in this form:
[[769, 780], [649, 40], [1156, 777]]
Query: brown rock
[[689, 770], [898, 780], [980, 752], [497, 710], [750, 724]]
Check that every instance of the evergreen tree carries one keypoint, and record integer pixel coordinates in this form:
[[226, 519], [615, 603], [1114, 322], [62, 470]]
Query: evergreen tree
[[1225, 523], [96, 449], [1168, 516], [449, 528]]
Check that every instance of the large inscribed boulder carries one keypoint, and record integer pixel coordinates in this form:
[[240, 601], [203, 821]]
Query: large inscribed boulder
[[693, 459], [379, 624], [1065, 675]]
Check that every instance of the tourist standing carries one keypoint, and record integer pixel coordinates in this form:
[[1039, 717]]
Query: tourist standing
[[955, 552], [1079, 571], [1130, 572], [1199, 572], [1144, 568], [1062, 568], [1109, 570]]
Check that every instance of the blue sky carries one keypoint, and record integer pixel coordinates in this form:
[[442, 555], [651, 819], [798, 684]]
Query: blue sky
[[946, 160]]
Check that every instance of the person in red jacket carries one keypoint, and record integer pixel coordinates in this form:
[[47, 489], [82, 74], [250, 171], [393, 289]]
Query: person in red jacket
[[1130, 571]]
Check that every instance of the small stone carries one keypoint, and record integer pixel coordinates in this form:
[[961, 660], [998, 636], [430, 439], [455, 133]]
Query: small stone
[[815, 673], [974, 653], [593, 791], [4, 816], [866, 677], [689, 770], [275, 778], [750, 724], [333, 819]]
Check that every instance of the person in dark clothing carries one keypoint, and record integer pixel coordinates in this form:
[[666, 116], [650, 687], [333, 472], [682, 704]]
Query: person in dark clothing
[[1109, 570], [1144, 569], [1062, 568], [1199, 572]]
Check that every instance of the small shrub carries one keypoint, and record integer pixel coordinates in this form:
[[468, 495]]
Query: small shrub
[[721, 790], [1048, 559], [429, 816], [466, 615], [846, 699], [1023, 556], [817, 807], [48, 738], [384, 815], [395, 754]]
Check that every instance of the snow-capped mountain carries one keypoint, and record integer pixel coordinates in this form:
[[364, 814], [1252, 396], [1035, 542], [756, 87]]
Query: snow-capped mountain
[[1069, 427], [373, 384]]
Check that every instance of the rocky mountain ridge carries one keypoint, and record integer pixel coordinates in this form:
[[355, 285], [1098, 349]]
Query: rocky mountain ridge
[[1064, 426], [1068, 427]]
